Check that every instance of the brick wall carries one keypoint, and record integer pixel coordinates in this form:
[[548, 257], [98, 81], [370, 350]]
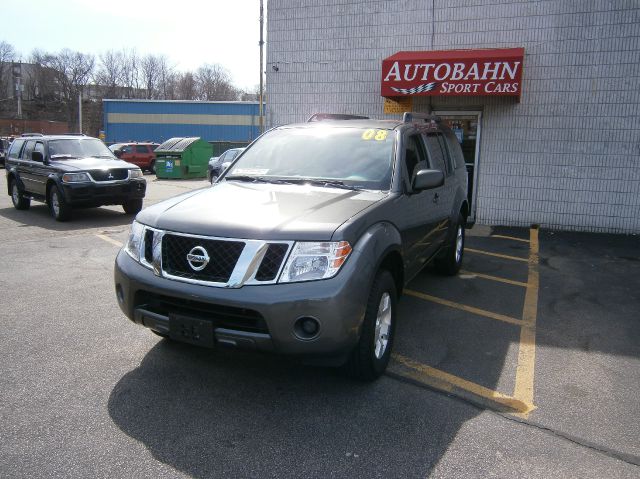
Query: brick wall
[[566, 156]]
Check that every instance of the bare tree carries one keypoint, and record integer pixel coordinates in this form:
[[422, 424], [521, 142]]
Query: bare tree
[[213, 82], [166, 78], [186, 88], [131, 74], [109, 75], [72, 72], [40, 80], [7, 56]]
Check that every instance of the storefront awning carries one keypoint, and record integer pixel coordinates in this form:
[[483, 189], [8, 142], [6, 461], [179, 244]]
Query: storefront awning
[[453, 72]]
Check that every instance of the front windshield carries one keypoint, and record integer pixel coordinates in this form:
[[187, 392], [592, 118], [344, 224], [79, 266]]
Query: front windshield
[[78, 148], [354, 157]]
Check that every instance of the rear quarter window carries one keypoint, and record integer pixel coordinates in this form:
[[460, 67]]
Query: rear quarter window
[[16, 147]]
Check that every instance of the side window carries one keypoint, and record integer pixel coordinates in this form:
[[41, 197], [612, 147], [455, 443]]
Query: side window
[[28, 148], [142, 149], [39, 148], [414, 158], [456, 151], [16, 146], [224, 156], [436, 155], [126, 149], [448, 159]]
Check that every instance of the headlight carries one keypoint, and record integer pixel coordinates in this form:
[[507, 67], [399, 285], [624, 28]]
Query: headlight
[[135, 239], [75, 177], [137, 173], [311, 261]]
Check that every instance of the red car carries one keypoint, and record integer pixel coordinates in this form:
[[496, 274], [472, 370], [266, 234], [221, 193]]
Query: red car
[[140, 154]]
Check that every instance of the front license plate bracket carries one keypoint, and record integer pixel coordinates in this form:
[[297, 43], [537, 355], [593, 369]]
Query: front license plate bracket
[[191, 330]]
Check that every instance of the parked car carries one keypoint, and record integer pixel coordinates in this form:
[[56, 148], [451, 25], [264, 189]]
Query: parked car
[[4, 147], [218, 164], [322, 225], [140, 154], [71, 171]]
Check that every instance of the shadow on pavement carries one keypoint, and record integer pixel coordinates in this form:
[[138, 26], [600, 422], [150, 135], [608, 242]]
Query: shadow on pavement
[[234, 414]]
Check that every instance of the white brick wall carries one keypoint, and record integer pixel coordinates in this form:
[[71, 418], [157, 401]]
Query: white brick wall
[[567, 156]]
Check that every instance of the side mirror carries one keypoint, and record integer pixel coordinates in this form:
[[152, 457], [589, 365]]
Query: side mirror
[[37, 156], [427, 179], [118, 153]]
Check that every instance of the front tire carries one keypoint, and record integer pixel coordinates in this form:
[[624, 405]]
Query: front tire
[[449, 261], [132, 207], [18, 199], [59, 209], [371, 355]]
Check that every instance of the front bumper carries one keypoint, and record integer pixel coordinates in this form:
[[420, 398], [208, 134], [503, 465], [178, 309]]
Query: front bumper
[[96, 194], [260, 317]]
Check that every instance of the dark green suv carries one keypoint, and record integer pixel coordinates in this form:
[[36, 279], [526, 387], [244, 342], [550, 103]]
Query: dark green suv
[[305, 242], [71, 171]]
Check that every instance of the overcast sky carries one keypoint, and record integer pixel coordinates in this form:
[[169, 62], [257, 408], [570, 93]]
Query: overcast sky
[[189, 32]]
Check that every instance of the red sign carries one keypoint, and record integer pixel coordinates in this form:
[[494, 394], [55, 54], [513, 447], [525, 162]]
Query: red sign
[[453, 72]]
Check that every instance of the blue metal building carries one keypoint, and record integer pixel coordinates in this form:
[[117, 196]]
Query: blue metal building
[[159, 120]]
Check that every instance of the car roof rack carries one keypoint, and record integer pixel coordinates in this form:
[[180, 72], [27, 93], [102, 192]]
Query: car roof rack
[[74, 134], [410, 117], [32, 134], [335, 116]]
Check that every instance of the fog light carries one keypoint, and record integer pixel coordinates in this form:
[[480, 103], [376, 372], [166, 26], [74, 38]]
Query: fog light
[[306, 328]]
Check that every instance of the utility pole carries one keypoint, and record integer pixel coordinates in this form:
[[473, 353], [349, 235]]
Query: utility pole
[[261, 80], [80, 110]]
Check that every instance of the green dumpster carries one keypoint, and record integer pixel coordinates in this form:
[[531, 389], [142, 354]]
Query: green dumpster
[[183, 158]]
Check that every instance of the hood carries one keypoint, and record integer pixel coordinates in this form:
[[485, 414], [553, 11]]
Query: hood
[[260, 211], [91, 163]]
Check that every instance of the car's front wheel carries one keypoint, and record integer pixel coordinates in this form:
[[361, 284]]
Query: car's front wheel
[[59, 209], [371, 355], [18, 199], [132, 207]]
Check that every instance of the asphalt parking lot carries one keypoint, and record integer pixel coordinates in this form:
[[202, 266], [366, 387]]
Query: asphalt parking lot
[[527, 364]]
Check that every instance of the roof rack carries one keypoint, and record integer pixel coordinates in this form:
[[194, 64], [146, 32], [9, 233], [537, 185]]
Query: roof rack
[[335, 116], [75, 134], [32, 134], [410, 117]]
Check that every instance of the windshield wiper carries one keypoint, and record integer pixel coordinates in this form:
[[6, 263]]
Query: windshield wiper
[[331, 183], [252, 179]]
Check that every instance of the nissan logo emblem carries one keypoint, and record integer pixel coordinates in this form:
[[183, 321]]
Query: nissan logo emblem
[[198, 258]]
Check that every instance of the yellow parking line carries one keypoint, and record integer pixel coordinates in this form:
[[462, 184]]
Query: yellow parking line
[[464, 307], [448, 382], [478, 251], [510, 238], [527, 349], [110, 240], [494, 278]]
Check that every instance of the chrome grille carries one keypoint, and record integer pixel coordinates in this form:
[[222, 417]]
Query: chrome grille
[[223, 256], [271, 262]]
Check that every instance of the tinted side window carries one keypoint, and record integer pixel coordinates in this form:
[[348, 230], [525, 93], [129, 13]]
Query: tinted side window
[[28, 148], [436, 155], [142, 149], [126, 149], [454, 148], [414, 157], [16, 146]]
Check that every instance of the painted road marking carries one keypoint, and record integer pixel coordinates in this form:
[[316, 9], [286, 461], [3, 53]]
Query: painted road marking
[[510, 238], [527, 350], [494, 278], [453, 384], [497, 255], [521, 403], [464, 307], [110, 240]]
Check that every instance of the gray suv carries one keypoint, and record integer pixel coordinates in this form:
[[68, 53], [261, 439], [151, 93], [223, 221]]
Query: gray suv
[[323, 224]]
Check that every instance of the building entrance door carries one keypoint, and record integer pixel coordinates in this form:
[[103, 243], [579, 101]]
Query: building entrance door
[[467, 125]]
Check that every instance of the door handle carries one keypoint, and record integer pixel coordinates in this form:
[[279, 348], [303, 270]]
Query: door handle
[[436, 197]]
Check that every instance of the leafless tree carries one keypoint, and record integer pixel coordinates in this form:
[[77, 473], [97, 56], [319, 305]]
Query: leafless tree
[[186, 88], [109, 74], [213, 83], [72, 71], [7, 56], [41, 80]]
